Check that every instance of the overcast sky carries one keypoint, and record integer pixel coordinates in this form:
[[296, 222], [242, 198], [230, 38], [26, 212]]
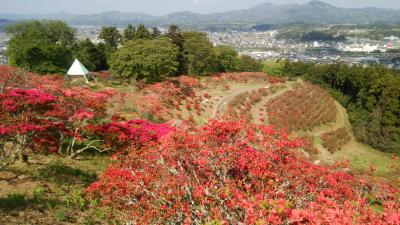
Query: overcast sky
[[160, 7]]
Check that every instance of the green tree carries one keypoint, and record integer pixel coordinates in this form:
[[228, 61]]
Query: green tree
[[227, 59], [249, 64], [90, 55], [41, 46], [111, 37], [199, 54], [156, 32], [129, 33], [146, 60], [142, 32], [273, 68], [175, 34]]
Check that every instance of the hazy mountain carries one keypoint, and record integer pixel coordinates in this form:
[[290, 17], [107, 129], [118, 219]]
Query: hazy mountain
[[267, 13], [4, 23]]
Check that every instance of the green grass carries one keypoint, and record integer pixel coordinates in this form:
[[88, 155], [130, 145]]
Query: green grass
[[55, 187], [61, 174], [13, 200], [361, 157]]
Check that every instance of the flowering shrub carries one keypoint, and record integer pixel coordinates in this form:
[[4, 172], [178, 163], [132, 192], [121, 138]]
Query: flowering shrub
[[236, 173], [189, 82], [241, 77], [303, 107], [241, 105], [35, 120], [157, 100], [151, 107], [308, 145], [9, 76], [38, 114], [27, 120], [206, 95], [334, 141], [275, 80], [131, 134]]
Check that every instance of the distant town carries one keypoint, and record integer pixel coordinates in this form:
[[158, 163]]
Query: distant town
[[352, 51], [266, 45]]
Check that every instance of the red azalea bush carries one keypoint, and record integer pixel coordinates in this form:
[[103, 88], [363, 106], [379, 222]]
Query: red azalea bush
[[151, 107], [27, 119], [302, 108], [54, 120], [157, 100], [132, 133], [189, 82], [335, 140], [308, 144], [38, 114], [236, 173], [11, 77], [241, 77], [276, 80]]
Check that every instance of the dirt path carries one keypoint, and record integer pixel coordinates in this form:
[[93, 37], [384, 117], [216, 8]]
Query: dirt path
[[224, 101]]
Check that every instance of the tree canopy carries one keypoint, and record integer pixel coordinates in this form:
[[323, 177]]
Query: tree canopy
[[155, 32], [175, 34], [228, 59], [111, 36], [249, 64], [199, 53], [41, 46], [142, 32], [129, 33], [90, 55], [145, 59]]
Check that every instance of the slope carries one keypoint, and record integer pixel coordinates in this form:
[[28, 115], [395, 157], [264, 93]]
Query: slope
[[338, 127]]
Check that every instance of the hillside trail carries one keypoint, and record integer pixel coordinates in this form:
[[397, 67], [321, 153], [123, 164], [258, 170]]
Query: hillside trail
[[221, 104]]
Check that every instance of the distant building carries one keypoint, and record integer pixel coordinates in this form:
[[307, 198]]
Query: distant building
[[392, 39], [358, 48], [3, 59]]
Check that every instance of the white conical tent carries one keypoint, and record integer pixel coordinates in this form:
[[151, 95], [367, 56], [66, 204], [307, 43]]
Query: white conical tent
[[77, 69]]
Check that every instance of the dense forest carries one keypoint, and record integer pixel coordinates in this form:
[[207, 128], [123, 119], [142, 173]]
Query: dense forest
[[371, 96]]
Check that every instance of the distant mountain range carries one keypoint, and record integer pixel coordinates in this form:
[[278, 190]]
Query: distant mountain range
[[4, 23], [314, 12]]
